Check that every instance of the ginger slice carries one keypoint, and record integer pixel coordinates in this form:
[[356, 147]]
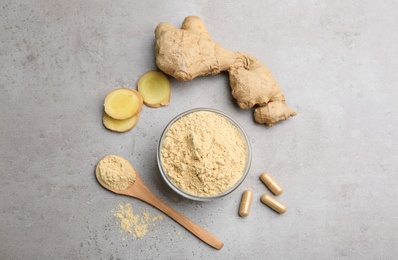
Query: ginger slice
[[123, 103], [154, 86], [120, 126]]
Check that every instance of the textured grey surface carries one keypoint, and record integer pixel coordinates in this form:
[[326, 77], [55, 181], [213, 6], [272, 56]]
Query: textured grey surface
[[336, 61]]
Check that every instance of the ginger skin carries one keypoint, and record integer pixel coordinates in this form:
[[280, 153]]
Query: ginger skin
[[190, 52]]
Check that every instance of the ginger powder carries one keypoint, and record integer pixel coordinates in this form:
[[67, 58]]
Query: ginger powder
[[134, 223], [203, 154], [116, 172]]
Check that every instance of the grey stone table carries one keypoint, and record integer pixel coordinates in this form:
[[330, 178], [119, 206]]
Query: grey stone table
[[337, 160]]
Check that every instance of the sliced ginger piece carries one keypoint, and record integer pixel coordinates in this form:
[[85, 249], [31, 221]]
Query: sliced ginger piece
[[123, 103], [120, 126], [154, 86]]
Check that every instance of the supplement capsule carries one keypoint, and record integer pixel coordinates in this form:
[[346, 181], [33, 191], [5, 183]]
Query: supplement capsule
[[273, 203], [273, 185], [245, 203]]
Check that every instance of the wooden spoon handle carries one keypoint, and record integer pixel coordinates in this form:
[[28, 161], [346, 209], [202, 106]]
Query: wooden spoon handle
[[146, 195]]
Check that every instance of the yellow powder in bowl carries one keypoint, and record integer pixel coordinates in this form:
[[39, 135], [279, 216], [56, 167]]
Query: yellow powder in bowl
[[116, 172], [203, 154]]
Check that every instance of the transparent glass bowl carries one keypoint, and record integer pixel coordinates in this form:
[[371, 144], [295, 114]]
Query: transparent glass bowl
[[192, 196]]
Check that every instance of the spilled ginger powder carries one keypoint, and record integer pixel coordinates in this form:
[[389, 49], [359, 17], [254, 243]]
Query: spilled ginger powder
[[204, 154], [135, 224]]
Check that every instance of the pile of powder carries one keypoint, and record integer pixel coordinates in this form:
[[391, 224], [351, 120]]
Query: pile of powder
[[135, 224], [203, 154], [116, 172]]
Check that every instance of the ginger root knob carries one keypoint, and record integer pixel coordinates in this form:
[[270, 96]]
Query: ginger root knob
[[190, 52]]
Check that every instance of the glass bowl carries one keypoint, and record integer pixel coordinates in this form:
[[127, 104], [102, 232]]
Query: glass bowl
[[192, 196]]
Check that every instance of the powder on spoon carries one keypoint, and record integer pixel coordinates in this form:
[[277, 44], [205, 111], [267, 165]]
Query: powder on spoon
[[116, 172]]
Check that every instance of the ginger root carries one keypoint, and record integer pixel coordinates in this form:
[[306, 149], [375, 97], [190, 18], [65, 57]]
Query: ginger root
[[154, 87], [190, 52]]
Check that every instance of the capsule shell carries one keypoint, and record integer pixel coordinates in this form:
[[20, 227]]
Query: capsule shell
[[245, 203], [273, 203], [273, 185]]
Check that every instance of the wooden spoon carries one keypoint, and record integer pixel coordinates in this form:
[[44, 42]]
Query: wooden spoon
[[140, 191]]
